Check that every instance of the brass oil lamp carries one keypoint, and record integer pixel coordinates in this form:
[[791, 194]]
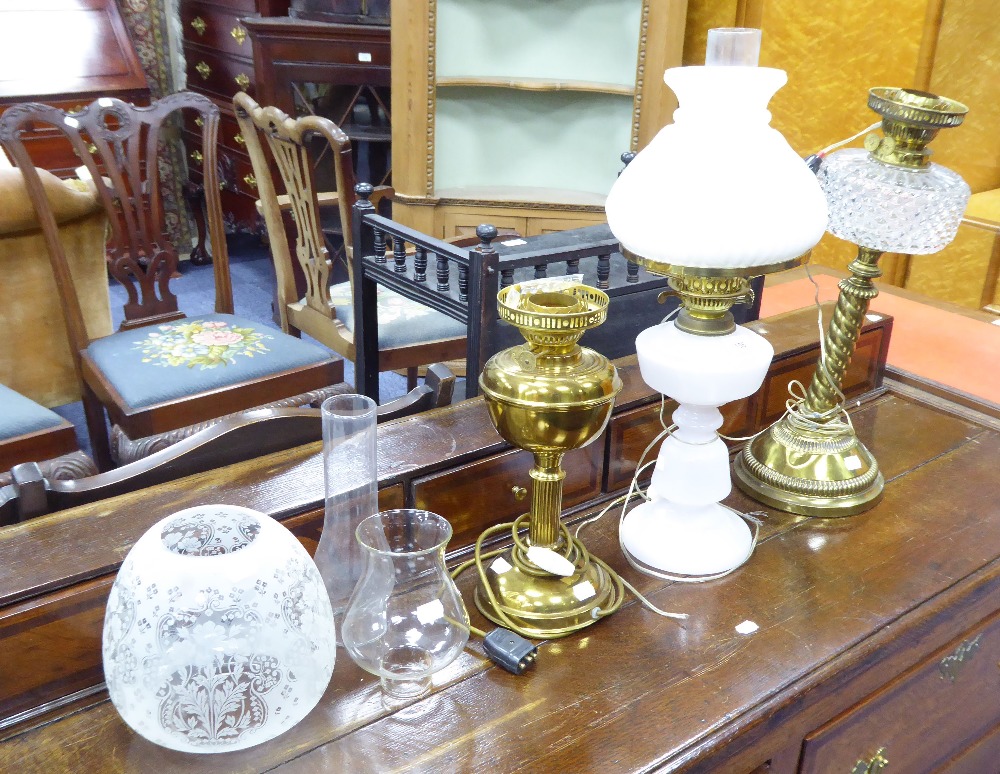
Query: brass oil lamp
[[888, 197], [548, 396]]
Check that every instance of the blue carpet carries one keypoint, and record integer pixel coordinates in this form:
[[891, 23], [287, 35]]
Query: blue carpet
[[253, 282]]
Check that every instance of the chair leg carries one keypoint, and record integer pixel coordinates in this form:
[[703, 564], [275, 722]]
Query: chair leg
[[411, 377], [97, 429]]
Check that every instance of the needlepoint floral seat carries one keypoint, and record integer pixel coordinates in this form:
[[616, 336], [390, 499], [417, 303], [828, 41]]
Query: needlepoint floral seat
[[167, 362], [20, 415], [29, 432]]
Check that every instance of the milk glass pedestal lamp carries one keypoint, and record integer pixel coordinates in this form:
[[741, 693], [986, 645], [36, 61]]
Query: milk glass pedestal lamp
[[886, 198], [716, 198]]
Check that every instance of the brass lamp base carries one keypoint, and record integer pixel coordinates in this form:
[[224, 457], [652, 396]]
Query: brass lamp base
[[543, 605], [812, 469]]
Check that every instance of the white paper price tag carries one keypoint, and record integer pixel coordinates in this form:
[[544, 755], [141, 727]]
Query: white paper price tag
[[584, 591], [500, 565], [550, 561]]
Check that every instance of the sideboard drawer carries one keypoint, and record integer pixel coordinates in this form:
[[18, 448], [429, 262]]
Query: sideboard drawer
[[922, 718], [481, 494]]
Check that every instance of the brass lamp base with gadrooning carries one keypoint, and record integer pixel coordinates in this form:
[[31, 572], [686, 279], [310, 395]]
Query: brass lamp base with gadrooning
[[885, 198]]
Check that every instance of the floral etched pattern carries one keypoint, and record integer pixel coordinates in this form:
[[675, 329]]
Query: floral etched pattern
[[204, 343], [209, 534], [218, 633]]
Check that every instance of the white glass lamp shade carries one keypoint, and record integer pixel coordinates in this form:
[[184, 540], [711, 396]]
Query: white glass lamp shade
[[218, 633], [892, 208], [719, 188]]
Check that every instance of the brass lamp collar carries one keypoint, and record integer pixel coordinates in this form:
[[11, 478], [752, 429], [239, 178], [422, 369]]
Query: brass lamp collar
[[910, 120], [707, 293]]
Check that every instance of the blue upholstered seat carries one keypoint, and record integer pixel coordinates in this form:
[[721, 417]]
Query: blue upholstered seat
[[20, 415], [400, 321], [164, 362]]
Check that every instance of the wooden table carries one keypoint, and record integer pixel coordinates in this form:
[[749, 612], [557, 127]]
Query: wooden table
[[877, 631]]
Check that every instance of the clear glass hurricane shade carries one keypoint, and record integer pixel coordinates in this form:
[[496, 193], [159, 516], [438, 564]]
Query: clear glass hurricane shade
[[718, 188], [406, 619], [218, 633], [350, 475], [890, 208]]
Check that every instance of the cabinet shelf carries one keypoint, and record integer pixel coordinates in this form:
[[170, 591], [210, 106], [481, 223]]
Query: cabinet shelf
[[539, 84]]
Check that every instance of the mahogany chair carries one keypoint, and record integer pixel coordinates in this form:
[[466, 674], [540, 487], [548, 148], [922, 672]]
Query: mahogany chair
[[33, 492], [161, 372], [30, 432], [410, 334]]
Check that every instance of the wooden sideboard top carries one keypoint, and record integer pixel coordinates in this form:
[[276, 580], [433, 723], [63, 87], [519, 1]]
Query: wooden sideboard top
[[841, 606]]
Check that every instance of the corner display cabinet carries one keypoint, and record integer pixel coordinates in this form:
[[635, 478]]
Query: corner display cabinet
[[517, 113]]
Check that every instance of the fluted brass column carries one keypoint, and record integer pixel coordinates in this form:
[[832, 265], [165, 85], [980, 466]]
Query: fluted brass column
[[547, 478]]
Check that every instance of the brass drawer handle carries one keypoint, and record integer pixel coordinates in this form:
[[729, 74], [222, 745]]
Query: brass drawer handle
[[238, 139], [196, 156], [203, 70], [519, 492], [239, 34], [951, 665], [877, 763], [242, 80], [199, 25], [250, 180]]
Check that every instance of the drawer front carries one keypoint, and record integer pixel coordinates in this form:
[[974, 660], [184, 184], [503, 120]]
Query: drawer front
[[481, 494], [921, 719], [632, 431], [230, 138], [216, 28], [219, 75], [457, 224]]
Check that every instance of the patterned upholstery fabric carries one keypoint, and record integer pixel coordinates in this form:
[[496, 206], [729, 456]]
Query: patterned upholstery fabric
[[20, 415], [164, 362], [400, 320]]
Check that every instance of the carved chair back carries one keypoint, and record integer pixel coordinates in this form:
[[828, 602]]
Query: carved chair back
[[289, 151], [121, 147]]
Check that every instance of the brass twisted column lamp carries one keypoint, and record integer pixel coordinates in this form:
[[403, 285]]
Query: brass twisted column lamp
[[886, 198]]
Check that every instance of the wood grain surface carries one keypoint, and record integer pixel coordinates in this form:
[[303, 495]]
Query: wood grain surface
[[843, 607]]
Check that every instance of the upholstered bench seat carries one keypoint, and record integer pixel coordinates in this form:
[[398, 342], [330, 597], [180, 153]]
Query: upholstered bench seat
[[159, 363], [401, 321], [20, 415]]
